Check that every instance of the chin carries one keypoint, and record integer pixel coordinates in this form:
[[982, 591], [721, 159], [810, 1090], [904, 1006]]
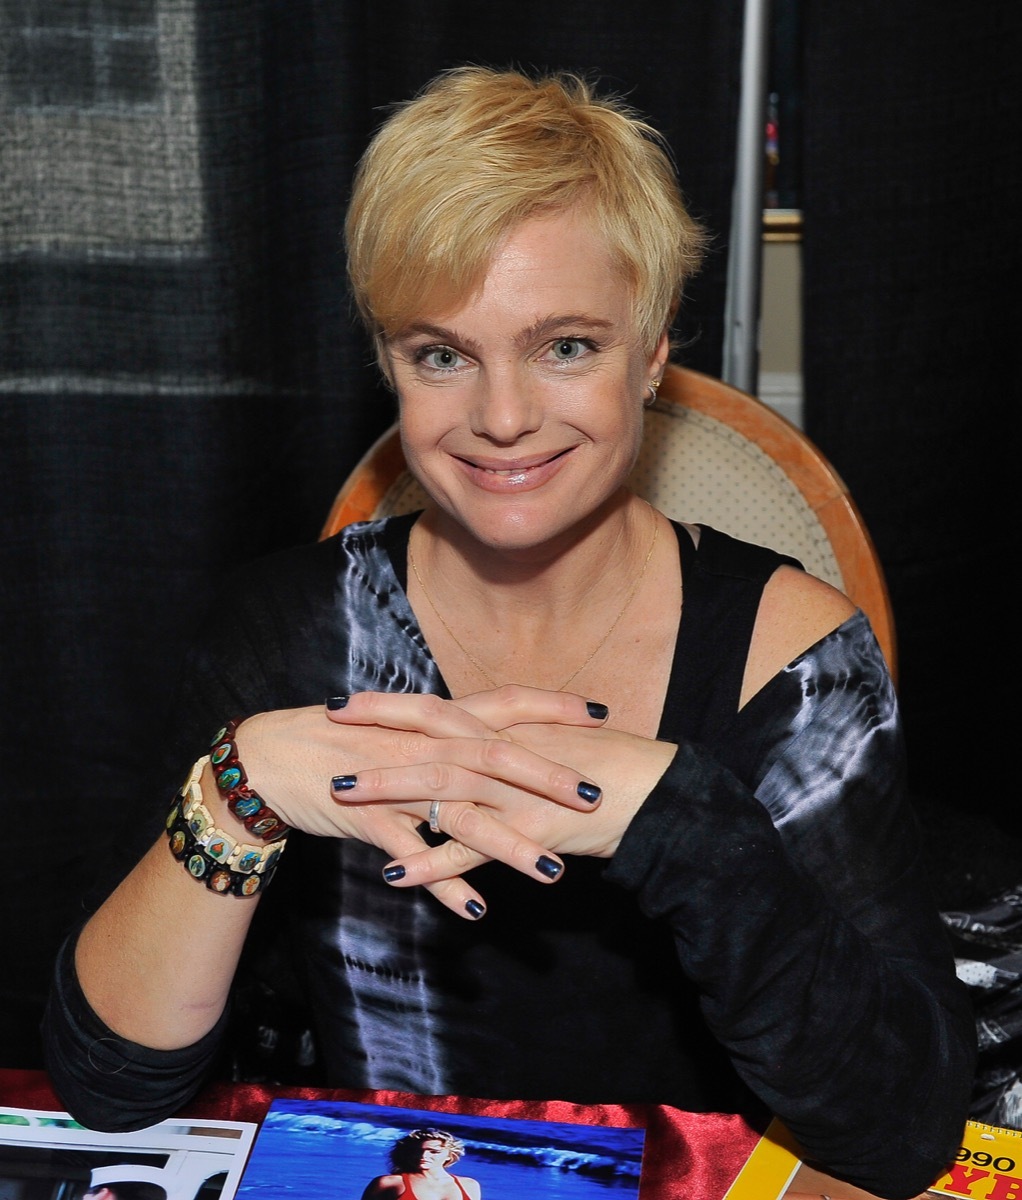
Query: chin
[[521, 528]]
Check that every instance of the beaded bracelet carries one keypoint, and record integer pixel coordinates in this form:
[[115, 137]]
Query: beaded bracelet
[[244, 803], [224, 864]]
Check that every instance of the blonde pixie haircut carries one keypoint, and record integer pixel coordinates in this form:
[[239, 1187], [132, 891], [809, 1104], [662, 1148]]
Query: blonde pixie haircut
[[451, 172]]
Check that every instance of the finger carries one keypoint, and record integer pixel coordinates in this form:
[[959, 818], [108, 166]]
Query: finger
[[476, 837], [516, 704], [487, 771], [451, 890], [413, 711], [429, 865]]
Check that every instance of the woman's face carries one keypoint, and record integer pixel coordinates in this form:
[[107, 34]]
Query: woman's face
[[432, 1154], [521, 411]]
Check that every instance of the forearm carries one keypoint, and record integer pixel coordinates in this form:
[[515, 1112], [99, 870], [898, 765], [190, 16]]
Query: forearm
[[156, 961]]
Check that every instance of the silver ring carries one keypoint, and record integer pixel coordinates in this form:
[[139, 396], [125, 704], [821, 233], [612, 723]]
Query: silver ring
[[434, 816]]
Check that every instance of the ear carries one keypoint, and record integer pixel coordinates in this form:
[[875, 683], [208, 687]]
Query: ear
[[659, 357]]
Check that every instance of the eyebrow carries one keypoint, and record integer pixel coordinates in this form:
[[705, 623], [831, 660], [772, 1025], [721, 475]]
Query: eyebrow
[[543, 327], [575, 322], [436, 332]]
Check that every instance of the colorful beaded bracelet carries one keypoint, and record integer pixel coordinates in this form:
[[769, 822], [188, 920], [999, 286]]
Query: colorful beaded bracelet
[[224, 864], [244, 803]]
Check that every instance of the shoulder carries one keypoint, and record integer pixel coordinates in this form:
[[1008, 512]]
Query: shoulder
[[795, 612], [305, 575], [383, 1187], [792, 609], [469, 1186], [725, 557], [356, 540]]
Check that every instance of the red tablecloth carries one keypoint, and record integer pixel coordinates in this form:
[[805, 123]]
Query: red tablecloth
[[688, 1156]]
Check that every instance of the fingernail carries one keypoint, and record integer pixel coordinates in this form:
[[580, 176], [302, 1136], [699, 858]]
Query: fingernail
[[599, 712], [333, 703], [549, 867], [589, 791], [343, 783], [393, 874], [474, 909]]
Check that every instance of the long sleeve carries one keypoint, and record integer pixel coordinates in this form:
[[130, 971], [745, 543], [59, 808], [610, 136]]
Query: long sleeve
[[801, 912]]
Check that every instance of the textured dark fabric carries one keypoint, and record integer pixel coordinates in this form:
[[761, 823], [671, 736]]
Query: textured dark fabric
[[988, 950], [912, 268], [804, 931], [182, 387], [912, 264]]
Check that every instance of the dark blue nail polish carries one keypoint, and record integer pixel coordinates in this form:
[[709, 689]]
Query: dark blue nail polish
[[393, 874], [474, 909], [589, 791], [334, 703], [599, 712], [548, 866], [343, 783]]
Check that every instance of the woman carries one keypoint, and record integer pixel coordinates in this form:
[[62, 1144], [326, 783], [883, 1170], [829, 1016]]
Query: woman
[[541, 665], [420, 1161]]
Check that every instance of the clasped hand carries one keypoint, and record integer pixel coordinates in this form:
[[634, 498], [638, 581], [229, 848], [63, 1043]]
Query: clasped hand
[[523, 776]]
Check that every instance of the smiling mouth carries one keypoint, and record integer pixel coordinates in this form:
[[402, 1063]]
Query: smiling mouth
[[519, 468]]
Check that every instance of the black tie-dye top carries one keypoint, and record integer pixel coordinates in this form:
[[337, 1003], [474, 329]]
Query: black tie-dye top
[[762, 940]]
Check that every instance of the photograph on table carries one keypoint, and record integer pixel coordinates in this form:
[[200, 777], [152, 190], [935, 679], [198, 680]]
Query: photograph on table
[[331, 1148], [49, 1156]]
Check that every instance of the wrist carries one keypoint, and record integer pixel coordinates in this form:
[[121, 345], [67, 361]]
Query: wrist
[[232, 782], [226, 861]]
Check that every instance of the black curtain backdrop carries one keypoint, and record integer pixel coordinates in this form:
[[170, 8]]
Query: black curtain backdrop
[[182, 387], [912, 317]]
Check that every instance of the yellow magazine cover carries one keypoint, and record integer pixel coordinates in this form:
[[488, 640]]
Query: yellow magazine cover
[[988, 1166]]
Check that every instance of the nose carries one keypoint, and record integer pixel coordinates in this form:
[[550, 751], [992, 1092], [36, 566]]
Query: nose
[[507, 405]]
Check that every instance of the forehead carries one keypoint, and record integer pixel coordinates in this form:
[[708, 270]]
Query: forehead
[[549, 265]]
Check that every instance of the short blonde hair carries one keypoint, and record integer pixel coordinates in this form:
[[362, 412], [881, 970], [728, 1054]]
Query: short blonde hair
[[451, 172], [405, 1154]]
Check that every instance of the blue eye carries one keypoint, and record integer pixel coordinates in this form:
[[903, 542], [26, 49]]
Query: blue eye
[[565, 349], [440, 358]]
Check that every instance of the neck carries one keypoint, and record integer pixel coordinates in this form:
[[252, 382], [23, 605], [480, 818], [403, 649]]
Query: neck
[[529, 617], [558, 576]]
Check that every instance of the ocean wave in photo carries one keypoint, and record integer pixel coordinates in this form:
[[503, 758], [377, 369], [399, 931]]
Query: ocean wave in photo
[[591, 1150]]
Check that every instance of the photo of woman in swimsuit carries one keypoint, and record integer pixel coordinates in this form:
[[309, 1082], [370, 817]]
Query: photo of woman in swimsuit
[[420, 1160]]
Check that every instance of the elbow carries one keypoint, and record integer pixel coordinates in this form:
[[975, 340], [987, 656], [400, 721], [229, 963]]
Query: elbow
[[106, 1082], [102, 1088], [913, 1134]]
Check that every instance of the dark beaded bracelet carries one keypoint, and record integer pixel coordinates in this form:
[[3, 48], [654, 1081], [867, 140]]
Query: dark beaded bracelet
[[212, 856], [257, 817]]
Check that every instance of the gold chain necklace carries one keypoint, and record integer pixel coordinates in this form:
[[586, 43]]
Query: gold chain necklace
[[596, 650]]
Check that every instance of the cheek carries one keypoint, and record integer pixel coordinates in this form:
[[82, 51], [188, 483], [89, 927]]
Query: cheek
[[419, 431], [627, 426]]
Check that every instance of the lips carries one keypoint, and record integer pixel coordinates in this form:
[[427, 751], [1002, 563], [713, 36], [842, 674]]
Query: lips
[[517, 475]]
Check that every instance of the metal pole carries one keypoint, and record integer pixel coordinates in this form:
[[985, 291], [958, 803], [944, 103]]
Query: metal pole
[[745, 259]]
